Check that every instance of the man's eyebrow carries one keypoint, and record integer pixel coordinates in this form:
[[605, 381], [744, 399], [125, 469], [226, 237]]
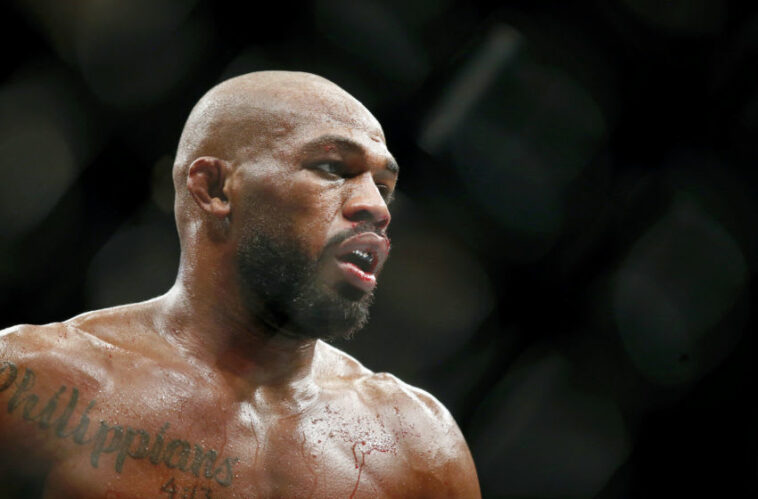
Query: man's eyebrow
[[345, 145]]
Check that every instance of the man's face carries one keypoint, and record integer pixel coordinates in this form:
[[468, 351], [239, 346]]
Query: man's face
[[311, 208]]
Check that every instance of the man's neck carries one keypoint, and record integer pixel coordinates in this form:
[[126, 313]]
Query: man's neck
[[219, 332]]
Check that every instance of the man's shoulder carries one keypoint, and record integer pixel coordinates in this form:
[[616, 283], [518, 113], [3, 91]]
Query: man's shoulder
[[424, 427], [38, 365], [382, 390], [51, 352], [78, 346], [31, 341], [97, 329]]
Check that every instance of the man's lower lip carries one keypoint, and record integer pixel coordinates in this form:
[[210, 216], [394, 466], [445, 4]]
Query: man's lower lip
[[357, 277]]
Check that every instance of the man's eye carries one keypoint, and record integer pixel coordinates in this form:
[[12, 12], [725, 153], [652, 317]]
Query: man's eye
[[329, 167]]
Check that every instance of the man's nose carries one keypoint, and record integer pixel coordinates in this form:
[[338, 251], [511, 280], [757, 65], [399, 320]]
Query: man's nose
[[365, 203]]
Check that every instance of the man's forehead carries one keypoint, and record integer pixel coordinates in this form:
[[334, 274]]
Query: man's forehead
[[319, 111], [294, 99]]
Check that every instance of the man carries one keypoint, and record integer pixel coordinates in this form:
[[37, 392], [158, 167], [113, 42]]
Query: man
[[221, 387]]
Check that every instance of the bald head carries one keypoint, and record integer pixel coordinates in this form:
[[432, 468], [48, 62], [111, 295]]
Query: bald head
[[248, 113], [247, 108]]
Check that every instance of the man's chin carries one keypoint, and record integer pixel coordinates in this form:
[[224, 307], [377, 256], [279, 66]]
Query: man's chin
[[336, 315], [352, 293]]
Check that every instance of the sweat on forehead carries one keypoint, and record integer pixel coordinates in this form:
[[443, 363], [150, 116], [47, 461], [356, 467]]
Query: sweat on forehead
[[256, 105]]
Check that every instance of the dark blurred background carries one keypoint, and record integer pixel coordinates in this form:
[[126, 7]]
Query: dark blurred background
[[574, 237]]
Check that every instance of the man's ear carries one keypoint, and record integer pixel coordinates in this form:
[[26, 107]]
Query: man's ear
[[205, 181]]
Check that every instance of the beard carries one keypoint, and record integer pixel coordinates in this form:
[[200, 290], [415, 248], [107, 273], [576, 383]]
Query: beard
[[282, 288]]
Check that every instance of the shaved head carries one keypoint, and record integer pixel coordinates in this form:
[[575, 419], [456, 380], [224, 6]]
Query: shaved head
[[250, 112], [255, 105]]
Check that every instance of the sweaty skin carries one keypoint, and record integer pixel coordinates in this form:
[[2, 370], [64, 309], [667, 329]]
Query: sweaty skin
[[201, 392]]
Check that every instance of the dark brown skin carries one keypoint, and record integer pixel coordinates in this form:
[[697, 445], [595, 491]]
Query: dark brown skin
[[191, 395]]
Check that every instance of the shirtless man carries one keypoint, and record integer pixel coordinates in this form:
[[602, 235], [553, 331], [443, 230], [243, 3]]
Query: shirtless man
[[222, 387]]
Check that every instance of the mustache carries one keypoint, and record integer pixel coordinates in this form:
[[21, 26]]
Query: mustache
[[361, 228]]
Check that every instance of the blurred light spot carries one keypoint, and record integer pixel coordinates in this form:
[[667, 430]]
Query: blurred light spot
[[684, 16], [419, 13], [137, 263], [42, 142], [528, 140], [56, 21], [677, 283], [37, 168], [162, 184], [519, 133], [372, 33], [133, 53], [541, 434], [717, 187], [468, 87]]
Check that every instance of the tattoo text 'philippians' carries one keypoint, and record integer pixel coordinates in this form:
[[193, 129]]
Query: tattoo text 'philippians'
[[124, 442]]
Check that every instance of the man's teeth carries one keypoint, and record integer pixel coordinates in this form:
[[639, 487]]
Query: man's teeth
[[362, 259], [363, 254]]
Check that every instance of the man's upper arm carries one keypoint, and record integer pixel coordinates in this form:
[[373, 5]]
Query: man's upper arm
[[438, 453], [11, 354], [16, 345], [30, 373], [454, 468]]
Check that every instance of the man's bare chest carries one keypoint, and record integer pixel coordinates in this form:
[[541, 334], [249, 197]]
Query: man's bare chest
[[155, 443]]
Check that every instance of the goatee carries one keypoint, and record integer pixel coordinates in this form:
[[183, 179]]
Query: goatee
[[283, 290]]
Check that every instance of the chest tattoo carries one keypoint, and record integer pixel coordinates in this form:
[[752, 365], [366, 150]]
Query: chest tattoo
[[55, 416]]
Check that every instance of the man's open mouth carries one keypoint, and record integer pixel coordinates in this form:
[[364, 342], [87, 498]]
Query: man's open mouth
[[360, 258]]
